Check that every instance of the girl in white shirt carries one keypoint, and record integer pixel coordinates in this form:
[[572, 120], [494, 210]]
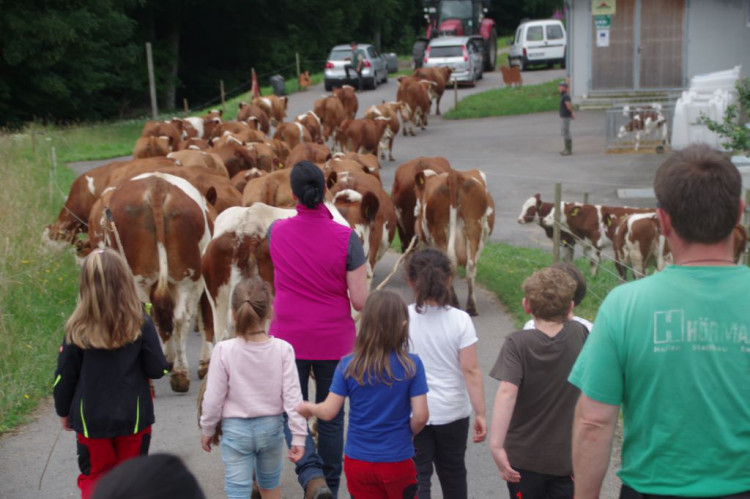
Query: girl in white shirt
[[252, 381], [445, 340]]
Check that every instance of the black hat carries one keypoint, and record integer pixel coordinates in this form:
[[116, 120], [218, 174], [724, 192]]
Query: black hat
[[562, 83], [308, 184], [158, 476]]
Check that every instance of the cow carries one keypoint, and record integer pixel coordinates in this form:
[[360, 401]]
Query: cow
[[194, 144], [304, 80], [340, 163], [643, 122], [389, 111], [254, 116], [403, 195], [312, 122], [315, 153], [273, 106], [331, 112], [241, 178], [204, 159], [163, 129], [361, 200], [84, 191], [415, 102], [455, 213], [210, 121], [280, 148], [164, 225], [235, 157], [348, 98], [638, 244], [440, 77], [535, 209], [273, 189], [234, 127], [151, 147], [293, 133], [511, 76], [362, 136], [265, 156]]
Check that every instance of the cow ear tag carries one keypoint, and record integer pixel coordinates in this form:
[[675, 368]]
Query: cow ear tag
[[609, 222], [574, 212]]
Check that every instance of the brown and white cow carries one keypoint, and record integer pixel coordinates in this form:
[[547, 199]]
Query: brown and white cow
[[331, 112], [151, 147], [348, 98], [164, 254], [440, 77], [362, 136], [304, 80], [361, 200], [235, 157], [203, 159], [254, 116], [456, 214], [240, 180], [194, 144], [163, 129], [315, 153], [414, 97], [534, 209], [274, 107], [389, 111], [265, 156], [312, 122], [638, 244], [404, 197], [511, 76], [340, 163], [293, 133], [273, 189]]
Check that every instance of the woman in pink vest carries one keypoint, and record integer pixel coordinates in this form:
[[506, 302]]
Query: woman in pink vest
[[319, 270]]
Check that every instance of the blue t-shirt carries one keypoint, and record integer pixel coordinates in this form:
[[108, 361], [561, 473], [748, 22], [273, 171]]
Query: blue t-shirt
[[379, 414]]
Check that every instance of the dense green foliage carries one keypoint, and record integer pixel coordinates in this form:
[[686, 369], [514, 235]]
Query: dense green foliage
[[85, 59], [734, 126]]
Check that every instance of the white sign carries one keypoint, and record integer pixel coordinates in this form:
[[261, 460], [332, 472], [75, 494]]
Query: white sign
[[602, 38]]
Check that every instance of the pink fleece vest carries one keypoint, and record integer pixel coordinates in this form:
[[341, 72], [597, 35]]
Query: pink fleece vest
[[311, 306]]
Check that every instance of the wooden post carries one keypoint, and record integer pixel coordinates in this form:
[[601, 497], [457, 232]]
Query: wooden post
[[221, 87], [556, 226], [455, 94], [185, 105], [151, 80], [52, 173], [296, 56], [33, 139], [585, 198]]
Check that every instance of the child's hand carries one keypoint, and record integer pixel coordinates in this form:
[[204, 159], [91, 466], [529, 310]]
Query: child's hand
[[296, 452], [206, 442], [304, 409], [507, 473], [480, 427], [65, 424]]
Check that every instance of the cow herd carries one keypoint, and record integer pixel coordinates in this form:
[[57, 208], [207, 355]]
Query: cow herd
[[191, 210]]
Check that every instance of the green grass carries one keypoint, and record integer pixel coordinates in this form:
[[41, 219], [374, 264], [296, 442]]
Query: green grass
[[37, 289], [507, 101]]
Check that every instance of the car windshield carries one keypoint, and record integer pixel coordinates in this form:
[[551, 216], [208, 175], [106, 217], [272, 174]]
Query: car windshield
[[455, 9], [340, 54], [450, 51]]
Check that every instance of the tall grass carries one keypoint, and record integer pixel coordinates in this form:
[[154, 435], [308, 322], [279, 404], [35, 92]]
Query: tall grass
[[37, 289]]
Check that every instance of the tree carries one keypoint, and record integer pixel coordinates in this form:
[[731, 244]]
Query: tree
[[734, 126]]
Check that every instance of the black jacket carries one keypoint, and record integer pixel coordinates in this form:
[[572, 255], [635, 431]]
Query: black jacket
[[105, 393]]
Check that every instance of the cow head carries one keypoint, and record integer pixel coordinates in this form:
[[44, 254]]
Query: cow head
[[530, 209]]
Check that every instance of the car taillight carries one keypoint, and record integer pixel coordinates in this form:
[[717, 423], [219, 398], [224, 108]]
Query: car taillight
[[367, 64], [329, 65], [426, 54], [524, 51], [466, 54]]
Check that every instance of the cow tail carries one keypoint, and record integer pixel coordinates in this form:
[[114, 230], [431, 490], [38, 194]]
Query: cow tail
[[161, 298]]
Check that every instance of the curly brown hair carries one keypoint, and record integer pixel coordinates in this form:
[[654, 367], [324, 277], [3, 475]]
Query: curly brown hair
[[549, 293]]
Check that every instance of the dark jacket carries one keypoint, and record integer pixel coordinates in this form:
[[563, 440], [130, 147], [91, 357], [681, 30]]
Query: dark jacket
[[105, 393]]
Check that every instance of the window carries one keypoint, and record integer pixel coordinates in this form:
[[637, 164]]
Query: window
[[451, 51], [554, 32], [373, 53], [747, 13], [340, 55], [518, 34], [534, 34]]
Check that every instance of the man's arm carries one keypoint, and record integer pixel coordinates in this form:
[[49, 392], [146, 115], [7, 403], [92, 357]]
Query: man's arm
[[593, 429], [569, 107], [356, 281], [505, 403]]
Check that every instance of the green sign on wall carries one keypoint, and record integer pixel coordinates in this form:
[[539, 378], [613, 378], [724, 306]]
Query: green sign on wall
[[602, 22]]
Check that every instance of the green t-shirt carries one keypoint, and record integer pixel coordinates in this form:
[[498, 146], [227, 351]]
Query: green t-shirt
[[356, 56], [674, 350]]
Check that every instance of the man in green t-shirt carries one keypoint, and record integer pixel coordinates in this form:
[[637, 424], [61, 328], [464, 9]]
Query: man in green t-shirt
[[355, 63], [673, 350]]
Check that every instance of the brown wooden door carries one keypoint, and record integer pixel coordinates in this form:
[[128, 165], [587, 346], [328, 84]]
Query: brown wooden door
[[613, 67], [661, 44]]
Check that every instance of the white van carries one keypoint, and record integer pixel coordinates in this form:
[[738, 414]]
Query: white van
[[539, 42]]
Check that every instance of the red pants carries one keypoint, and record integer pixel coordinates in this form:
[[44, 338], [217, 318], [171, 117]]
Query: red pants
[[96, 456], [366, 480]]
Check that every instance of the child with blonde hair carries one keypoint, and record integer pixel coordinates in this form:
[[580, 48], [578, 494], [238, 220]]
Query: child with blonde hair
[[386, 386], [101, 387], [252, 380]]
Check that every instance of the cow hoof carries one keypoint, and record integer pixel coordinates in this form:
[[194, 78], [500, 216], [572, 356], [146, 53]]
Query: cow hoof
[[471, 310], [179, 382], [202, 369]]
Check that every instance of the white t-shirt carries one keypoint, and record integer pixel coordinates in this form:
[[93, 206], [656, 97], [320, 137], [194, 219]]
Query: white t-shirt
[[436, 335], [587, 324]]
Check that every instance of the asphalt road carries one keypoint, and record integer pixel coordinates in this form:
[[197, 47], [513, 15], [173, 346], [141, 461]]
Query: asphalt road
[[519, 156]]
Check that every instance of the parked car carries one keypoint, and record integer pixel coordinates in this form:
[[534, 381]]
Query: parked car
[[464, 54], [374, 68], [538, 42]]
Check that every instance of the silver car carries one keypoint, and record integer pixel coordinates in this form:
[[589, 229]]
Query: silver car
[[374, 69], [461, 53]]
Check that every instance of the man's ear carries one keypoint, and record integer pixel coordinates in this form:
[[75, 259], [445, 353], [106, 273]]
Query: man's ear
[[525, 304], [570, 309], [742, 210], [665, 221]]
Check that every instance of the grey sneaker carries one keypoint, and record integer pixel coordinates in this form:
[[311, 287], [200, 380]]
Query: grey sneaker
[[317, 488]]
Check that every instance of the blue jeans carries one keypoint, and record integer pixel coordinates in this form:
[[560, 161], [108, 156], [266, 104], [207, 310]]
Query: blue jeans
[[328, 461], [249, 444]]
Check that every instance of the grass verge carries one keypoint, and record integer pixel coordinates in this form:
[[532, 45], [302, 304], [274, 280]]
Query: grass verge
[[37, 290], [507, 101]]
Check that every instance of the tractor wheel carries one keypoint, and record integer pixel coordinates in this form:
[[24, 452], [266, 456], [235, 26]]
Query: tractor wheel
[[491, 52]]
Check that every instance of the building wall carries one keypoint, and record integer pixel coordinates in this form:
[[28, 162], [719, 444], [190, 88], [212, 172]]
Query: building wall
[[717, 38]]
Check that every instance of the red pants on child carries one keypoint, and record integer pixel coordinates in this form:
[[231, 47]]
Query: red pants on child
[[96, 456], [367, 480]]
